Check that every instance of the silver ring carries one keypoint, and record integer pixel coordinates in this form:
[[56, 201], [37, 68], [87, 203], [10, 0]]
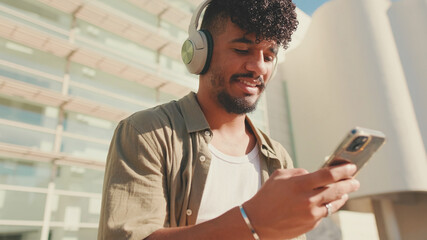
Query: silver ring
[[328, 209]]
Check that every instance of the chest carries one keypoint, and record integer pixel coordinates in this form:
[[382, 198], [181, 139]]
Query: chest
[[230, 182]]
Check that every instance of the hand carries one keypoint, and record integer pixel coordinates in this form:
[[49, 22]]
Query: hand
[[292, 201]]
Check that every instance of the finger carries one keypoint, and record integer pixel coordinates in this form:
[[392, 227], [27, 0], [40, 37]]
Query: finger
[[288, 173], [334, 191], [328, 175], [334, 206]]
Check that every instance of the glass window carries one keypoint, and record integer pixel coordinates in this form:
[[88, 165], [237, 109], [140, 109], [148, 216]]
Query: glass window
[[25, 137], [116, 46], [79, 179], [151, 19], [32, 58], [105, 99], [110, 83], [20, 232], [41, 12], [15, 110], [84, 149], [133, 11], [88, 126], [24, 173], [16, 205], [74, 210], [30, 78]]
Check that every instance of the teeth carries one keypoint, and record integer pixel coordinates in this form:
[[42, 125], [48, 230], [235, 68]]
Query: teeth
[[248, 83]]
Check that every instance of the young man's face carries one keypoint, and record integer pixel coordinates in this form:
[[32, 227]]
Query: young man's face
[[240, 68]]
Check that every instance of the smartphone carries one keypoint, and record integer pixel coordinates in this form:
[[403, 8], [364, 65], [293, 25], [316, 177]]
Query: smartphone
[[357, 148]]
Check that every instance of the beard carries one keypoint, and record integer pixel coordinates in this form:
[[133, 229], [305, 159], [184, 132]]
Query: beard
[[236, 105]]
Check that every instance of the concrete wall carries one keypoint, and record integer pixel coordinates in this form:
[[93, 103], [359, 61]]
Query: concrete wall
[[363, 63], [346, 72], [408, 19]]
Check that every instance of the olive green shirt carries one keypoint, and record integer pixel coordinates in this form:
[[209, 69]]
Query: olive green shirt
[[157, 167]]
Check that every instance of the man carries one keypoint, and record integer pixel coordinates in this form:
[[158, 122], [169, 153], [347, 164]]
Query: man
[[193, 169]]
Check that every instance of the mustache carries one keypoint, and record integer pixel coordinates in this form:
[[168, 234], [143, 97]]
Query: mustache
[[236, 76]]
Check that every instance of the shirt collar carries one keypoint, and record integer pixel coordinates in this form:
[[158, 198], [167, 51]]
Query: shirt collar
[[262, 140], [195, 121], [192, 113]]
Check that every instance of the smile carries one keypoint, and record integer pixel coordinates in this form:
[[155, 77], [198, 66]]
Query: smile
[[249, 83]]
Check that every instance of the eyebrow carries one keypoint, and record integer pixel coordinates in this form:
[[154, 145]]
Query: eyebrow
[[245, 40], [242, 40]]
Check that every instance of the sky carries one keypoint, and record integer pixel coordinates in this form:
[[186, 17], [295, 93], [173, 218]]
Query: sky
[[309, 6]]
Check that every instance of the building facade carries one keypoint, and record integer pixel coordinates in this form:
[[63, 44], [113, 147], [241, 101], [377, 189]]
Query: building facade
[[69, 71]]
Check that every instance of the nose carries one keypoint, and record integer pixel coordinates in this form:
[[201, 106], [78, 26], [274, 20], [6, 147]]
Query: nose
[[256, 64]]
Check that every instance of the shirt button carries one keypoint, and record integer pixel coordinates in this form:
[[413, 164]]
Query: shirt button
[[207, 133], [189, 212], [202, 158]]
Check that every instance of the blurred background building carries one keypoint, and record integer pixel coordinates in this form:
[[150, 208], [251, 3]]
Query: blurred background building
[[364, 63], [71, 69]]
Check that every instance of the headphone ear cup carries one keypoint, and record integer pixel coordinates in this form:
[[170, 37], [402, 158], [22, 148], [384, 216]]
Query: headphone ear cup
[[209, 48], [197, 59]]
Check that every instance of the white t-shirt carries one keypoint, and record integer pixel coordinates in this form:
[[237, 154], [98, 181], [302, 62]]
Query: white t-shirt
[[230, 182]]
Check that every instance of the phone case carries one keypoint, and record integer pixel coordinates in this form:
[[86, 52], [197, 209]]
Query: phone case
[[357, 147]]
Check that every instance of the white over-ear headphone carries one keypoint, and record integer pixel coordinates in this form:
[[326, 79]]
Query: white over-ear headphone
[[196, 51]]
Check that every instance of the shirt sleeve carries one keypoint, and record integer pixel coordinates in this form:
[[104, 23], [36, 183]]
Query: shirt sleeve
[[134, 201]]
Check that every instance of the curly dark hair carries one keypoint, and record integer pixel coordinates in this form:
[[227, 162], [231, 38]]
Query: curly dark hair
[[269, 19]]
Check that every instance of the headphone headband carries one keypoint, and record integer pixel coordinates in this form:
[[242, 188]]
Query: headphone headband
[[196, 52], [194, 23]]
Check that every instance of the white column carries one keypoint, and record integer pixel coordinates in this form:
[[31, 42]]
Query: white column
[[48, 205]]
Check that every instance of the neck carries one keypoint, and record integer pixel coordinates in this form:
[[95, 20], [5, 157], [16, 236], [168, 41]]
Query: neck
[[217, 117], [231, 134]]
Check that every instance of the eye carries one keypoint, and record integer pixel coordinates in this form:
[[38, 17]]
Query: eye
[[241, 51], [269, 58]]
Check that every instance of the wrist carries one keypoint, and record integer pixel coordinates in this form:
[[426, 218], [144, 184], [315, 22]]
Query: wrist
[[248, 222]]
